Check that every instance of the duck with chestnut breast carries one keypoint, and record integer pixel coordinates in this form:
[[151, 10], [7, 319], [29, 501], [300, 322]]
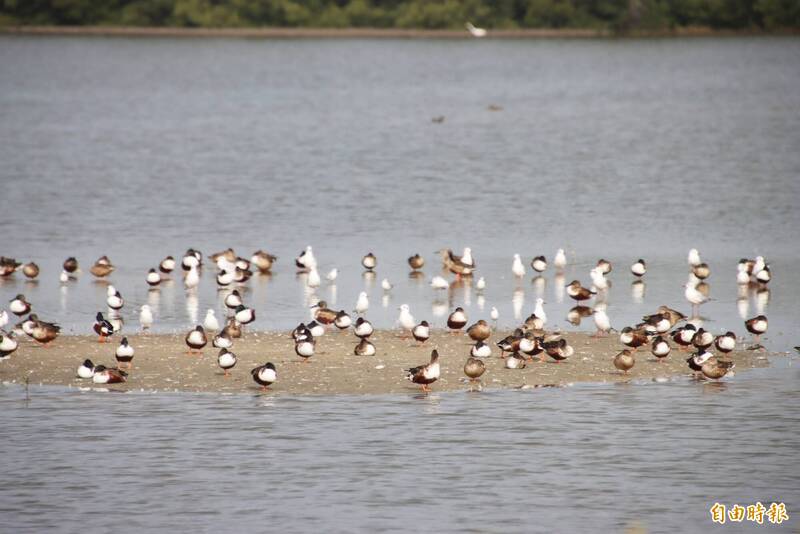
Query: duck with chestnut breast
[[480, 331], [633, 338], [416, 262], [316, 329], [421, 332], [703, 339], [102, 328], [510, 343], [756, 326], [70, 265], [226, 361], [474, 369], [102, 267], [624, 361], [244, 315], [104, 375], [539, 264], [124, 354], [427, 374], [263, 260], [684, 336], [196, 339], [8, 266], [222, 340], [323, 314], [726, 342], [559, 350], [233, 300], [343, 321], [265, 375], [305, 348], [457, 320]]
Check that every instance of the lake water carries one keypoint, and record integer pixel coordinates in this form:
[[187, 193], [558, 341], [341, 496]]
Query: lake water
[[623, 149]]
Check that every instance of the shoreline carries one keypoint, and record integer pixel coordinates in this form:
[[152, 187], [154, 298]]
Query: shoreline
[[162, 365], [377, 33]]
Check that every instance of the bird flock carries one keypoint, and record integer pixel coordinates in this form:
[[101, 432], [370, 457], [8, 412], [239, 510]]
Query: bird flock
[[530, 341]]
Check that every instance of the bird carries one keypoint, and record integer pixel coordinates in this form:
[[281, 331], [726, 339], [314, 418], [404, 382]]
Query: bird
[[317, 330], [421, 332], [362, 304], [457, 320], [115, 301], [210, 323], [226, 277], [510, 343], [263, 260], [558, 349], [369, 261], [438, 119], [693, 258], [226, 360], [624, 361], [3, 318], [684, 336], [322, 314], [191, 259], [633, 338], [192, 278], [363, 328], [30, 270], [63, 277], [8, 266], [480, 350], [405, 319], [517, 267], [756, 326], [386, 285], [480, 285], [196, 339], [233, 328], [167, 265], [515, 361], [474, 368], [153, 278], [227, 254], [579, 293], [726, 342], [674, 316], [601, 321], [703, 339], [764, 275], [598, 279], [306, 259], [657, 323], [342, 321], [494, 314], [425, 374], [44, 332], [715, 369], [475, 32], [7, 345], [539, 264], [660, 348], [639, 268], [102, 267], [695, 297], [438, 282], [364, 348], [560, 260], [264, 375], [305, 348], [332, 274], [538, 310], [86, 369], [701, 271], [104, 375], [416, 262], [244, 315], [222, 340], [233, 300], [19, 306], [313, 279], [458, 265], [124, 353], [697, 360], [102, 328], [70, 265], [479, 331], [742, 276]]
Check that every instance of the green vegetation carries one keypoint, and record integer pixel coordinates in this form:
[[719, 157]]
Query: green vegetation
[[615, 15]]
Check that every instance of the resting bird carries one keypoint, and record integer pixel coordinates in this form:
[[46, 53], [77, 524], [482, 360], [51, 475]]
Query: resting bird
[[425, 374], [265, 375]]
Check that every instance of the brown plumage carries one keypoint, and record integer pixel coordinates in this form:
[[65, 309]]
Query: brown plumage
[[457, 320], [233, 329], [8, 266], [674, 315], [45, 332], [479, 331], [70, 265], [102, 267], [324, 315], [579, 293], [31, 270], [454, 264], [633, 338], [624, 361], [416, 262], [716, 369], [425, 374], [263, 260], [474, 368], [701, 271], [228, 254]]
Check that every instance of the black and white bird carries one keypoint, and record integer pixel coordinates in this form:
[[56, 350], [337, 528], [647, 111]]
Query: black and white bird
[[421, 332], [226, 361], [19, 306], [86, 369], [222, 340], [364, 348], [265, 375], [233, 300], [757, 326], [167, 265], [305, 348], [245, 315], [660, 348], [342, 321], [124, 354], [102, 327], [196, 339], [7, 345], [539, 264], [639, 268], [369, 261], [425, 374], [153, 278], [726, 342], [480, 350], [363, 328]]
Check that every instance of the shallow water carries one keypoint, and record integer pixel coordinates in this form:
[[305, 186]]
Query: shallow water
[[584, 458], [622, 149]]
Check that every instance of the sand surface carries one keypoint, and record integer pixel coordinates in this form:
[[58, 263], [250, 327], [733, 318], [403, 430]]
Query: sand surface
[[162, 364]]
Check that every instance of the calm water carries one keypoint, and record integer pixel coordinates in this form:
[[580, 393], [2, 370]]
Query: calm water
[[622, 149]]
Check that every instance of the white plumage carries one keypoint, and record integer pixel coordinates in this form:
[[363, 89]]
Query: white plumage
[[517, 267]]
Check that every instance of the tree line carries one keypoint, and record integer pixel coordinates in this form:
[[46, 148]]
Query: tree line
[[614, 15]]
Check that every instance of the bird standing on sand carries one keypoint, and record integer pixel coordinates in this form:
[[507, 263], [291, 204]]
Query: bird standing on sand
[[457, 320], [196, 339], [405, 319], [363, 328], [538, 310], [479, 331], [425, 374], [624, 361], [362, 304], [601, 321], [342, 321], [124, 354], [7, 345], [421, 332], [474, 369], [44, 332], [480, 350], [660, 348], [104, 375], [222, 340], [102, 328], [226, 360], [210, 323], [364, 348], [517, 267], [264, 375], [305, 348]]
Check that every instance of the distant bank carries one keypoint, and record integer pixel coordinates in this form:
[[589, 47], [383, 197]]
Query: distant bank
[[371, 33]]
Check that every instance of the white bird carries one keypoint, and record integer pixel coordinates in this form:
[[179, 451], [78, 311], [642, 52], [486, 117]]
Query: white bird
[[313, 279], [694, 258], [494, 314], [480, 285], [115, 301], [3, 318], [64, 277], [386, 285], [538, 310], [517, 267], [192, 279], [362, 304], [476, 32], [332, 274], [598, 279], [307, 259], [742, 278], [560, 260], [466, 257], [601, 320], [210, 322], [695, 297], [406, 320], [437, 282], [759, 265], [111, 291], [145, 317]]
